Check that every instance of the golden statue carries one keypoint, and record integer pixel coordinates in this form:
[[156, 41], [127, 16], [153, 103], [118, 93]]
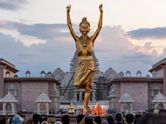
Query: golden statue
[[85, 68]]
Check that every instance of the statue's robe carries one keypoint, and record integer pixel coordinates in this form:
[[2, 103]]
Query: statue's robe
[[84, 73]]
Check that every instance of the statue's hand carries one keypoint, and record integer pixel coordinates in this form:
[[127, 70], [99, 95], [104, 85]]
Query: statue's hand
[[68, 8], [101, 7]]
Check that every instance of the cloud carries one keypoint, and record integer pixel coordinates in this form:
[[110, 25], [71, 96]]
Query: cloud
[[121, 54], [151, 33], [38, 31], [45, 31], [25, 39], [11, 4], [36, 57], [112, 48]]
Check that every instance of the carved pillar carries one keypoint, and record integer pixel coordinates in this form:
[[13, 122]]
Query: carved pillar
[[1, 80], [112, 103], [4, 108], [80, 96], [75, 96], [164, 105], [155, 105], [122, 106], [38, 108], [164, 81], [13, 108], [131, 107], [47, 108], [94, 96]]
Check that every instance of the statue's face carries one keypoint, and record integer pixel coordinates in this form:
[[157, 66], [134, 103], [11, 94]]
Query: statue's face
[[84, 28]]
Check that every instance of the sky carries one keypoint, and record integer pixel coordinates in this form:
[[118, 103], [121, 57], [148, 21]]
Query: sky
[[34, 35]]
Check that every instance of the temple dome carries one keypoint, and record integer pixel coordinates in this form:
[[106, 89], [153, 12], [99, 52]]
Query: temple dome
[[126, 98], [159, 98], [9, 98], [49, 74], [58, 74], [110, 73], [43, 98]]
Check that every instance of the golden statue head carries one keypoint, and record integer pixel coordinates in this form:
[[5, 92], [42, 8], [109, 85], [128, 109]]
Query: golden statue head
[[84, 26]]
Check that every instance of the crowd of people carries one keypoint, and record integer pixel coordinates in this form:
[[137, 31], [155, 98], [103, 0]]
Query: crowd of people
[[118, 118]]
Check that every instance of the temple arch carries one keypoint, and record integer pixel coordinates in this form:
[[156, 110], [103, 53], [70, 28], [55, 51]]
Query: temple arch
[[7, 75], [139, 74], [128, 73], [12, 90], [42, 74], [27, 73]]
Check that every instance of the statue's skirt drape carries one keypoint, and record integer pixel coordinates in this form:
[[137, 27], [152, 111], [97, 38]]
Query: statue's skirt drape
[[84, 73]]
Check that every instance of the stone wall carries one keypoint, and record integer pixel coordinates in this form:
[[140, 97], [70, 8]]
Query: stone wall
[[30, 91], [139, 92]]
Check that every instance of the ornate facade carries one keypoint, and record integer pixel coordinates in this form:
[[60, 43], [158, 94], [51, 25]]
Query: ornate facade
[[145, 92], [25, 90], [111, 86]]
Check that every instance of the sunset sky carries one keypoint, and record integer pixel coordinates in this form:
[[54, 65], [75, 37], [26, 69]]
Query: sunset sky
[[34, 35]]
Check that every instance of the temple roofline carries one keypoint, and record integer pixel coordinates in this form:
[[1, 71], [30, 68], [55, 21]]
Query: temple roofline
[[136, 79], [158, 65], [30, 79], [8, 65]]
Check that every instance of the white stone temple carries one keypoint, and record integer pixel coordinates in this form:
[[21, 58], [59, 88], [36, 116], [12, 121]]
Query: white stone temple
[[122, 91], [111, 86], [9, 104], [42, 103], [159, 101], [126, 103]]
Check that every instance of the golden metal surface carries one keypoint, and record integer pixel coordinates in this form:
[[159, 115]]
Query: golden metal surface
[[85, 67]]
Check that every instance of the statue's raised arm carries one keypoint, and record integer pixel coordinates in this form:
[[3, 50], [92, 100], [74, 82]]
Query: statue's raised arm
[[69, 24], [94, 36]]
